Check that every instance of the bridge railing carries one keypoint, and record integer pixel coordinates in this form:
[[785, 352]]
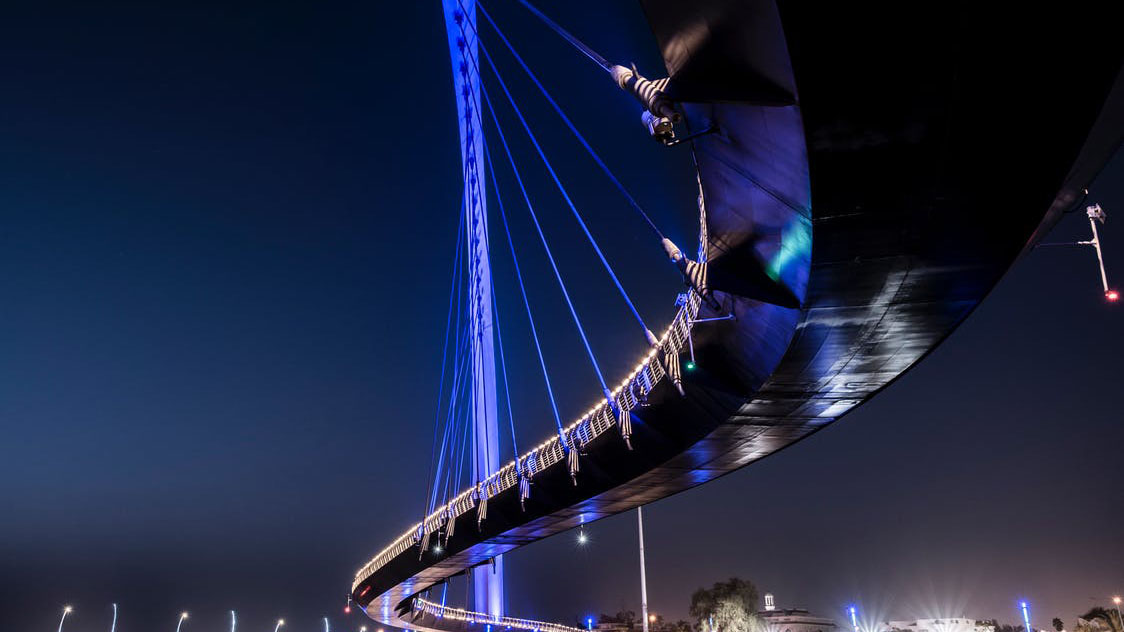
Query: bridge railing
[[595, 422], [468, 616]]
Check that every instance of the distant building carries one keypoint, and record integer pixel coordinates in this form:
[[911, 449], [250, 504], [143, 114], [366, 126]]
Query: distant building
[[792, 619], [950, 624]]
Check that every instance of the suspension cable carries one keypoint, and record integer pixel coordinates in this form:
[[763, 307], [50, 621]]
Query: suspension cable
[[522, 288], [542, 237], [503, 371], [449, 437], [453, 289], [577, 43], [566, 119], [562, 189]]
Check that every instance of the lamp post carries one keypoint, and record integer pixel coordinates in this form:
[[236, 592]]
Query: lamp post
[[280, 622], [65, 611], [1116, 601], [326, 625], [183, 617], [854, 619], [643, 575], [1026, 615], [113, 625], [233, 621]]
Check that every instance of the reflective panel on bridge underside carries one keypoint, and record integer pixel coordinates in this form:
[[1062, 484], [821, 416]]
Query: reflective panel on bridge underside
[[923, 156]]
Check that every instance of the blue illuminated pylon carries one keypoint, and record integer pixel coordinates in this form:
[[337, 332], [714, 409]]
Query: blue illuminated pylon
[[1026, 615], [460, 26], [854, 618]]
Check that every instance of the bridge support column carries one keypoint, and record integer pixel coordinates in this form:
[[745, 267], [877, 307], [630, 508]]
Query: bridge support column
[[460, 25]]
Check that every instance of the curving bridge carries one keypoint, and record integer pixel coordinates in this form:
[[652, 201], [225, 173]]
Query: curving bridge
[[867, 175]]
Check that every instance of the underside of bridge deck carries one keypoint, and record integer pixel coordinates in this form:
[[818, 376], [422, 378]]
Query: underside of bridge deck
[[885, 164]]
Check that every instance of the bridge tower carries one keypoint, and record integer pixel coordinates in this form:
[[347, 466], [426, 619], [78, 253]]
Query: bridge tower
[[460, 25]]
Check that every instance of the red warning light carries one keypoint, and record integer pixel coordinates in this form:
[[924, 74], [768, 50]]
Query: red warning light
[[1112, 296]]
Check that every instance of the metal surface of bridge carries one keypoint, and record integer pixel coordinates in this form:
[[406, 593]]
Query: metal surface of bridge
[[883, 169]]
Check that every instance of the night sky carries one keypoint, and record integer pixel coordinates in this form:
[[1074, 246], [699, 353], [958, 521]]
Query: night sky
[[225, 244]]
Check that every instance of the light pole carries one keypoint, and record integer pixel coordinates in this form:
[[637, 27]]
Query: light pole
[[326, 625], [233, 621], [1026, 615], [65, 611], [854, 619], [113, 626], [183, 617], [643, 575], [280, 622], [1116, 600]]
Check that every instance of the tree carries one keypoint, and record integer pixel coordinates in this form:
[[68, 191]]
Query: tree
[[626, 618], [1100, 619], [731, 604], [1058, 625]]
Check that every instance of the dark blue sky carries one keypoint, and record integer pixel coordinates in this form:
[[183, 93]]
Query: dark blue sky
[[225, 236]]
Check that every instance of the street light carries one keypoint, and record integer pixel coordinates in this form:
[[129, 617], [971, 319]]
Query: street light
[[1116, 600], [233, 621], [113, 626], [280, 622], [65, 611], [326, 625], [183, 617], [1026, 615]]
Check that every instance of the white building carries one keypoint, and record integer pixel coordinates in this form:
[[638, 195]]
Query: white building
[[792, 619], [949, 624]]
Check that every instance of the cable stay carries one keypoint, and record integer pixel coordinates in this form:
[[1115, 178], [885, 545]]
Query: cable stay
[[660, 113], [503, 371], [566, 119], [454, 288], [649, 336], [577, 43], [524, 474], [659, 117], [523, 289], [546, 246]]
